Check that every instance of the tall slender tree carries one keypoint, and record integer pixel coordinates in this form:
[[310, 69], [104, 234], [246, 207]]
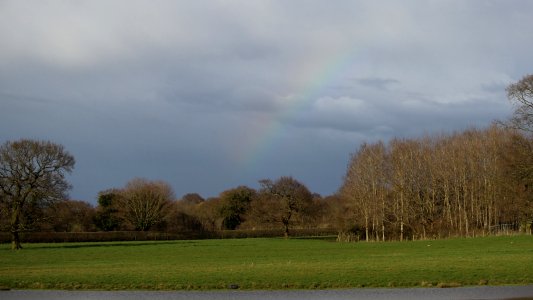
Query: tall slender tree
[[365, 187]]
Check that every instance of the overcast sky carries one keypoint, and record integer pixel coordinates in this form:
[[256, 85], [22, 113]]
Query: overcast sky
[[210, 95]]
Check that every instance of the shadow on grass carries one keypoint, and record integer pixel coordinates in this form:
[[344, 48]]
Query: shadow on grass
[[79, 245], [183, 243], [327, 238]]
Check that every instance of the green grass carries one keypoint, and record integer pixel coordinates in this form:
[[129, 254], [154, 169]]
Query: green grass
[[268, 264]]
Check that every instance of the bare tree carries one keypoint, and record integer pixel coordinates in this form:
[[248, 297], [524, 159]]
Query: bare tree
[[32, 176], [517, 169], [144, 202], [207, 213], [403, 161], [180, 220], [521, 95], [458, 184], [71, 216], [518, 158], [335, 213], [285, 199], [365, 188]]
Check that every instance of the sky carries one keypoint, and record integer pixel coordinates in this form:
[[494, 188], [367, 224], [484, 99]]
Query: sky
[[211, 95]]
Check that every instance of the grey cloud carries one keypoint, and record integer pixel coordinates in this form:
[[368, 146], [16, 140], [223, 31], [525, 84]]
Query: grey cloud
[[378, 83], [181, 90]]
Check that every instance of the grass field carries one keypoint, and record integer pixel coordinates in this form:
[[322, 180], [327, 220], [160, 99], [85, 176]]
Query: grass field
[[268, 264]]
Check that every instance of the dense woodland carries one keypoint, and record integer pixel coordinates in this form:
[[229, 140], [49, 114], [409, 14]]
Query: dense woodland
[[474, 182]]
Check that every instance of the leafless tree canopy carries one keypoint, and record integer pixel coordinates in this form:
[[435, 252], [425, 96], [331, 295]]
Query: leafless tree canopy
[[69, 216], [32, 175], [144, 202], [521, 95], [282, 201], [460, 184]]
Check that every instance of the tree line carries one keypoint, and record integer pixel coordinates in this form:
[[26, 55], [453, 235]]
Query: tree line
[[143, 205], [459, 184]]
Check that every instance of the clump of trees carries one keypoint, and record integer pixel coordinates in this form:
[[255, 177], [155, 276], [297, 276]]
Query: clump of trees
[[141, 205], [281, 204], [459, 184], [146, 205]]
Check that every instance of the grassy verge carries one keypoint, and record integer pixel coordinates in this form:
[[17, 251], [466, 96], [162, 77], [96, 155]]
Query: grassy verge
[[268, 264]]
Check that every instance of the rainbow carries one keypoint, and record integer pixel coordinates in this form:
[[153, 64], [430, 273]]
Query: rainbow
[[272, 127]]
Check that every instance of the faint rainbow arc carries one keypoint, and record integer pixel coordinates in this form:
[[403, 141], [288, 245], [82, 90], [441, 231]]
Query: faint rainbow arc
[[273, 126]]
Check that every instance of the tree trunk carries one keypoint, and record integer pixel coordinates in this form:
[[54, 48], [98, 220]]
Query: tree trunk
[[15, 241], [286, 227], [366, 228], [15, 220], [401, 230], [401, 216]]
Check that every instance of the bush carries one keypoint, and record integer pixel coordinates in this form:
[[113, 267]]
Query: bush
[[348, 237]]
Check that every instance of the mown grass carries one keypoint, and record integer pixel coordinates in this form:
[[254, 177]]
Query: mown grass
[[268, 264]]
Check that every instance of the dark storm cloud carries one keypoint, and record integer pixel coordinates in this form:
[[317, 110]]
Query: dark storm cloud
[[189, 92]]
